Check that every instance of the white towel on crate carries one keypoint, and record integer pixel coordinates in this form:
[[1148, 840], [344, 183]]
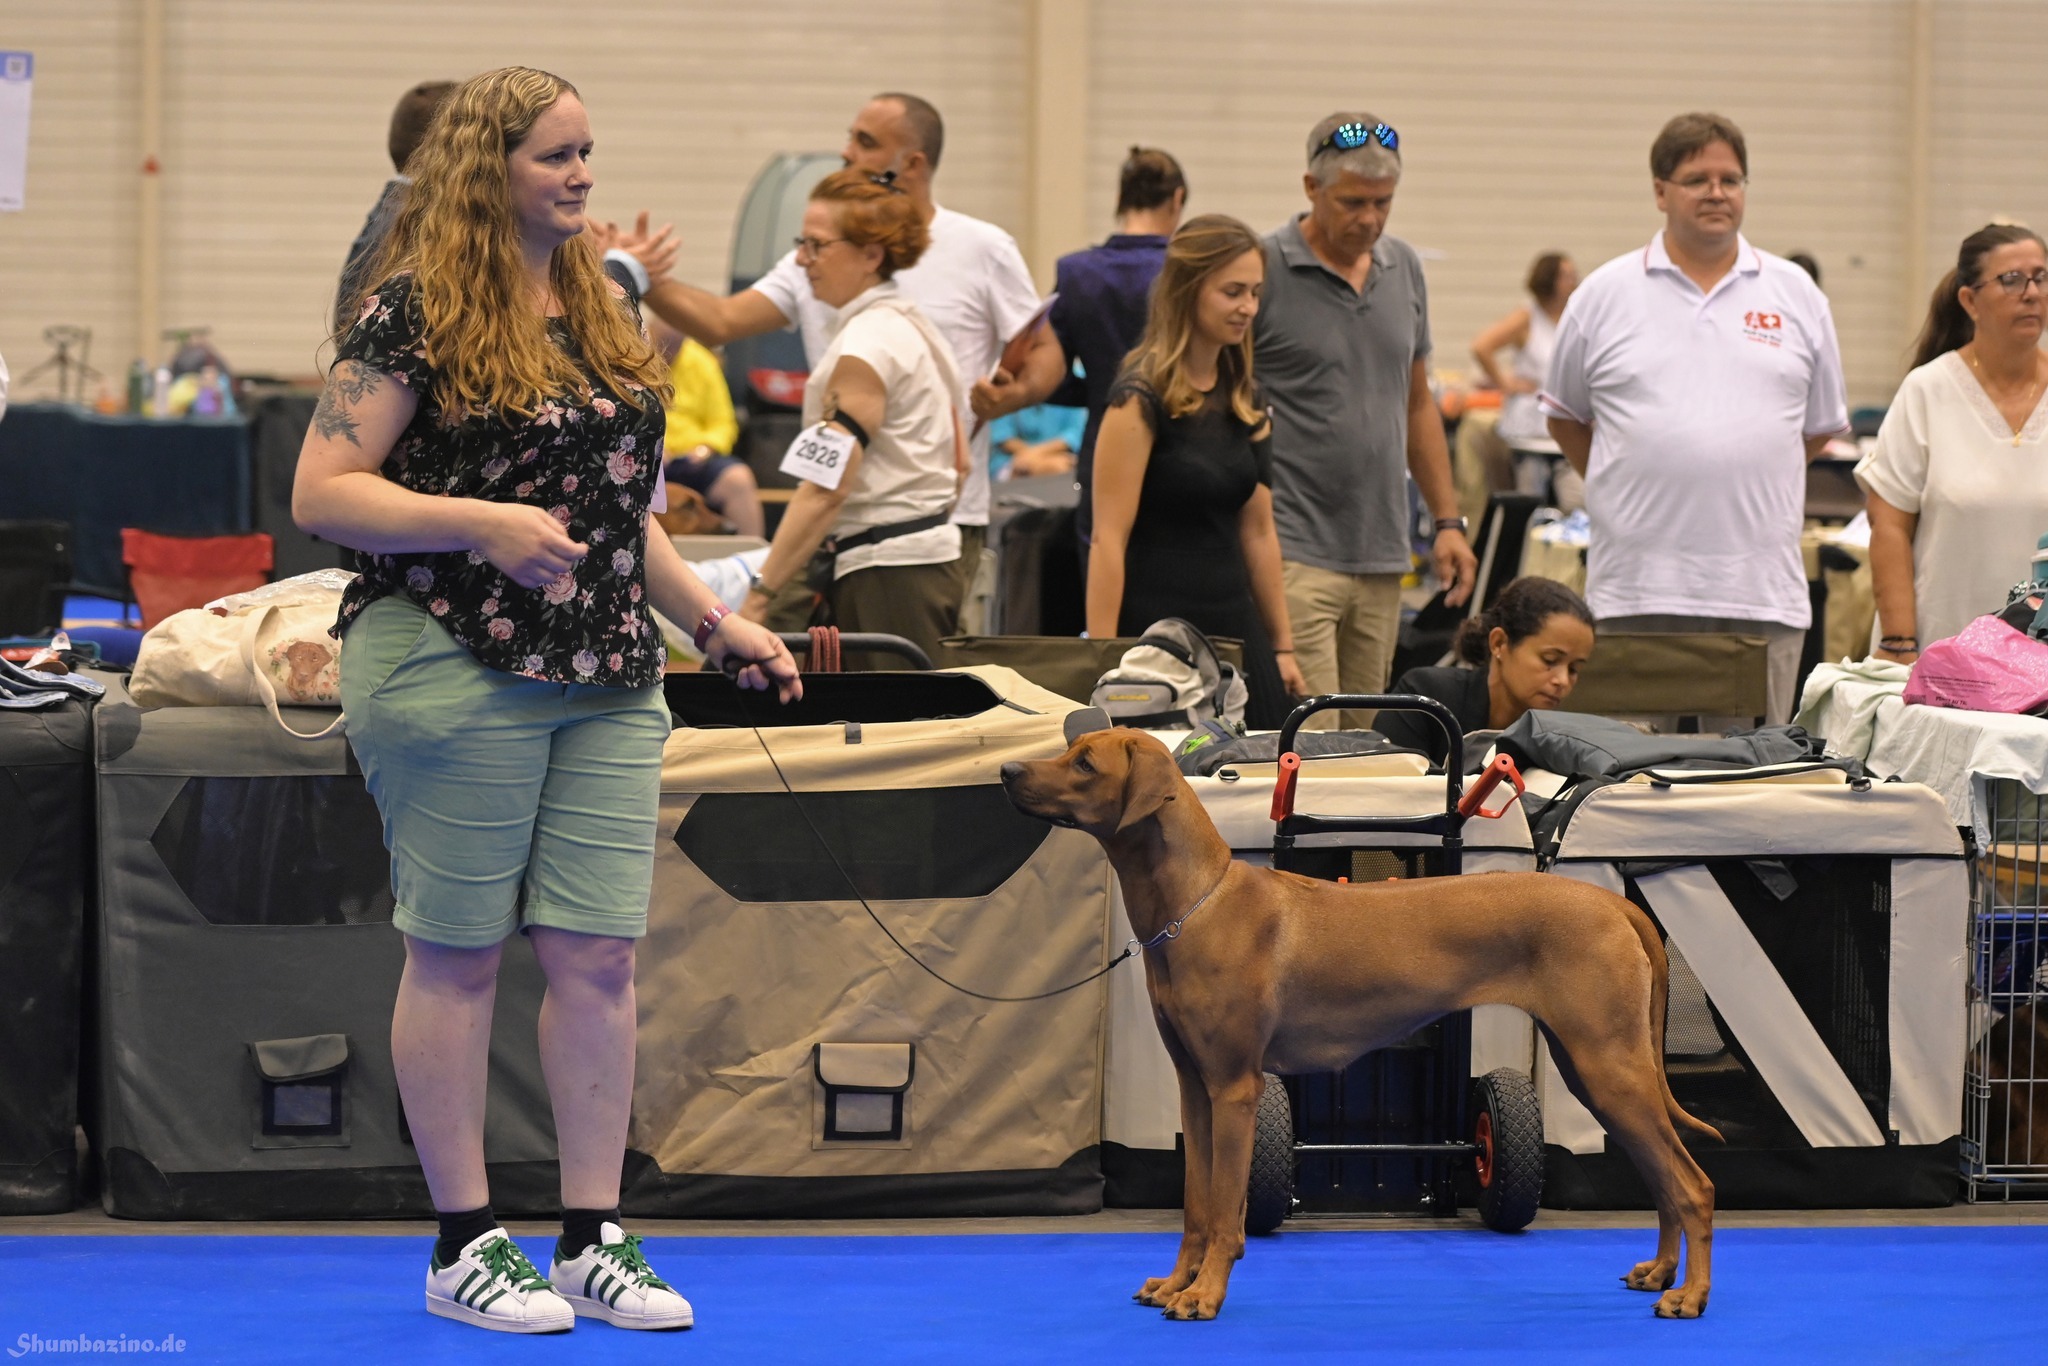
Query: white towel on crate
[[1840, 702]]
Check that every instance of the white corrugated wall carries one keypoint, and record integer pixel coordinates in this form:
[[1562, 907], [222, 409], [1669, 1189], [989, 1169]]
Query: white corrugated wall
[[1528, 127], [1525, 127]]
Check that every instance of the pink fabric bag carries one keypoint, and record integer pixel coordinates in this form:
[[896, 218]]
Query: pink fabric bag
[[1989, 667]]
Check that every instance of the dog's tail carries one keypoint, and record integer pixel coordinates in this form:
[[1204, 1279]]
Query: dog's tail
[[1660, 1003]]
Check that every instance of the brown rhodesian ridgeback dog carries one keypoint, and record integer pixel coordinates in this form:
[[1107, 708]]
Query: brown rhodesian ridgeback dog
[[1275, 972]]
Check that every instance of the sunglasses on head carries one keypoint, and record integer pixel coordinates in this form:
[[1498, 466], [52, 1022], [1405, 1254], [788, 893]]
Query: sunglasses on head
[[1349, 137]]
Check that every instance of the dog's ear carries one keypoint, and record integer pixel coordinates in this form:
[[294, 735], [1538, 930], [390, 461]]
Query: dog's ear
[[1150, 781]]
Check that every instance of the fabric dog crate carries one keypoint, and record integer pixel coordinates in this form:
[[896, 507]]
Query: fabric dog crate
[[792, 1059], [247, 970], [45, 853], [1142, 1162], [1816, 928]]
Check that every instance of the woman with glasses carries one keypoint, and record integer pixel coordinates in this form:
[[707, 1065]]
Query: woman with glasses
[[882, 454], [1184, 468], [1958, 480]]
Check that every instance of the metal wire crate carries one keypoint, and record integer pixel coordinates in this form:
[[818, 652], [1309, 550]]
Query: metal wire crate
[[2005, 1095]]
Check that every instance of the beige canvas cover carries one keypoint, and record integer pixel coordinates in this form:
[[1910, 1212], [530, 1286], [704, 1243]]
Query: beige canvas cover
[[735, 996]]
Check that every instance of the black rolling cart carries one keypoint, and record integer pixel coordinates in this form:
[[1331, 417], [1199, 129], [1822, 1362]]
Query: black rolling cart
[[1404, 1129]]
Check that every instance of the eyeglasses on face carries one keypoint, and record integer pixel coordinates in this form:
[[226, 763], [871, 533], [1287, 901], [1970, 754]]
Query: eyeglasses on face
[[2016, 281], [814, 247], [1349, 137], [1701, 184]]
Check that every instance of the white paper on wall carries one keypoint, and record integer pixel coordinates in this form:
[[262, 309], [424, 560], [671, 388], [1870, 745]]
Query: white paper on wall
[[17, 75]]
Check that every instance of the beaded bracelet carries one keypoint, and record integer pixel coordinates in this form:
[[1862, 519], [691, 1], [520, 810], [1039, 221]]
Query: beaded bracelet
[[705, 627]]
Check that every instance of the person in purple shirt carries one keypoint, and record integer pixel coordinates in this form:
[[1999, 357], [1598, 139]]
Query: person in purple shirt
[[1103, 296]]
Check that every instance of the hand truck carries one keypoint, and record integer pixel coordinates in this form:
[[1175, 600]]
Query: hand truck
[[1408, 1118]]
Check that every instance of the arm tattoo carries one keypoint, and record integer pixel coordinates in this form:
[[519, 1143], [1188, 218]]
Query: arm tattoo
[[347, 385]]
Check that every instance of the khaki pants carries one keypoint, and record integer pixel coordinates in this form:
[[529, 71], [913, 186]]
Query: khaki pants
[[919, 602], [1345, 628], [1784, 645]]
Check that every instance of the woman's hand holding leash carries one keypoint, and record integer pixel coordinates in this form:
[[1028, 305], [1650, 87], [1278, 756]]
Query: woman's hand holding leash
[[753, 657]]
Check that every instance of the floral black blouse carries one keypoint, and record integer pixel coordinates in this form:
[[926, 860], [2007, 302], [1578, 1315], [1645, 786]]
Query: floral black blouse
[[591, 463]]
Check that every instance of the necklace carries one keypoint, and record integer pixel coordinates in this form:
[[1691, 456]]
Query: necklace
[[1985, 380]]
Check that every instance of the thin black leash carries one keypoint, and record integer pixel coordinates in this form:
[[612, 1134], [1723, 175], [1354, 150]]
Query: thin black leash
[[1131, 948]]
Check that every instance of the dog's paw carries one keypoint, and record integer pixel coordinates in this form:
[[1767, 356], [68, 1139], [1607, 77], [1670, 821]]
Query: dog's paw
[[1651, 1275], [1684, 1302], [1192, 1304], [1154, 1292]]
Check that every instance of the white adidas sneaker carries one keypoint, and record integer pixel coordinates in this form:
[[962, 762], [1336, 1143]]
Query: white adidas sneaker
[[491, 1284], [612, 1281]]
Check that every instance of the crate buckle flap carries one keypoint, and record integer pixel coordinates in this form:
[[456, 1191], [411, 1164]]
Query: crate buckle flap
[[870, 1068], [864, 1085], [315, 1055]]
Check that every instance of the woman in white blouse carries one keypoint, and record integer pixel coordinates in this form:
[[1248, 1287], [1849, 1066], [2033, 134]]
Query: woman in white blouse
[[882, 455], [1958, 481]]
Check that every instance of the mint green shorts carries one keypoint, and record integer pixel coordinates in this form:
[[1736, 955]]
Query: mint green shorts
[[507, 801]]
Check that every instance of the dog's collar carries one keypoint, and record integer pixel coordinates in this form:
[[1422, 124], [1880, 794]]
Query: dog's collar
[[1172, 931]]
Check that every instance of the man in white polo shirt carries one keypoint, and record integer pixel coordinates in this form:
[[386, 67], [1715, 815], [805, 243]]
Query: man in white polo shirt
[[971, 283], [1691, 383]]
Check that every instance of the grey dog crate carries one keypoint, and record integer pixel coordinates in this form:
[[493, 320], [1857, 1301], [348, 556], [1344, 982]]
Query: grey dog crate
[[45, 844], [247, 969]]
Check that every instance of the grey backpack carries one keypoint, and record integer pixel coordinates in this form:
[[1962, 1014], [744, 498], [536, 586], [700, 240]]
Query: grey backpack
[[1172, 679]]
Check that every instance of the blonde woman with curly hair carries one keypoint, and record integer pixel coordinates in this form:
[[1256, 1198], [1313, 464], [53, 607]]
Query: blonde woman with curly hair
[[1184, 468], [488, 445], [881, 415]]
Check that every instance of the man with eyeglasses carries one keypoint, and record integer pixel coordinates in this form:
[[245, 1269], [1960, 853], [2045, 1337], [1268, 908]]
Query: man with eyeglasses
[[1341, 348], [971, 283], [1691, 382]]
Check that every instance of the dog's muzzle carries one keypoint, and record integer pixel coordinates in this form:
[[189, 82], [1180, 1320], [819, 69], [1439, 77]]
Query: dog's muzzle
[[1011, 774]]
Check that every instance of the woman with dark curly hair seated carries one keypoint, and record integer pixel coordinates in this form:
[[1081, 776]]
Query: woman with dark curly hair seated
[[1522, 654]]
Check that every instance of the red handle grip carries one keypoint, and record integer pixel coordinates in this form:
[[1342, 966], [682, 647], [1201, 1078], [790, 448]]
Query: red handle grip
[[1283, 787], [1474, 800]]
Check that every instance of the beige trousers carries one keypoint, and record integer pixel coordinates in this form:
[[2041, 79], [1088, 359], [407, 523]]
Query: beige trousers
[[1784, 645], [1345, 628]]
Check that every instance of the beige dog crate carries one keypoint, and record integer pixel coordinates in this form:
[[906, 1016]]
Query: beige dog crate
[[1141, 1115], [1817, 930], [794, 1057]]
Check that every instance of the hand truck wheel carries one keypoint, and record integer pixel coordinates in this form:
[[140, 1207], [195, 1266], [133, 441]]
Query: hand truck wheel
[[1507, 1130]]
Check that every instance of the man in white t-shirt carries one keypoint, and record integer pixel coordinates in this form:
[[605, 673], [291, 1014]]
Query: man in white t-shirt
[[971, 283], [1692, 381]]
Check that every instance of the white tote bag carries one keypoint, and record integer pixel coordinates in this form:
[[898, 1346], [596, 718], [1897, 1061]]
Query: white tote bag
[[271, 649]]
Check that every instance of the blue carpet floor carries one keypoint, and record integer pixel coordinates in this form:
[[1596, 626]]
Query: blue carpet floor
[[1781, 1295]]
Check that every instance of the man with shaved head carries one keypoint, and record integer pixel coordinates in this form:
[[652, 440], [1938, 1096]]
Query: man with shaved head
[[971, 283]]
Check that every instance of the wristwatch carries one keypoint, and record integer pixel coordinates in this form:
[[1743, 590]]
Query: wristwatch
[[1457, 524], [757, 585]]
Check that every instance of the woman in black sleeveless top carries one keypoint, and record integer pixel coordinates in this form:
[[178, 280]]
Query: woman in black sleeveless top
[[1183, 470]]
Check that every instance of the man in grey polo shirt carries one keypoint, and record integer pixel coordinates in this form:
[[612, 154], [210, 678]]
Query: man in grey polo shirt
[[1341, 347]]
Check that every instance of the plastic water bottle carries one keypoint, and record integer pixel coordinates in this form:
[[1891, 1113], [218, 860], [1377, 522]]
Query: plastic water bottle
[[138, 387], [160, 392]]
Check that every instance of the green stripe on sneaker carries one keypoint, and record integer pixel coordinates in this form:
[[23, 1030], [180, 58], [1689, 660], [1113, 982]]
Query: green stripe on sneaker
[[463, 1289], [591, 1280], [486, 1305]]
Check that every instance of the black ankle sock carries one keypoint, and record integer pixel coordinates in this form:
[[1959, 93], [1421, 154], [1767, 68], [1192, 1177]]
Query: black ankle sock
[[582, 1228], [459, 1230]]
